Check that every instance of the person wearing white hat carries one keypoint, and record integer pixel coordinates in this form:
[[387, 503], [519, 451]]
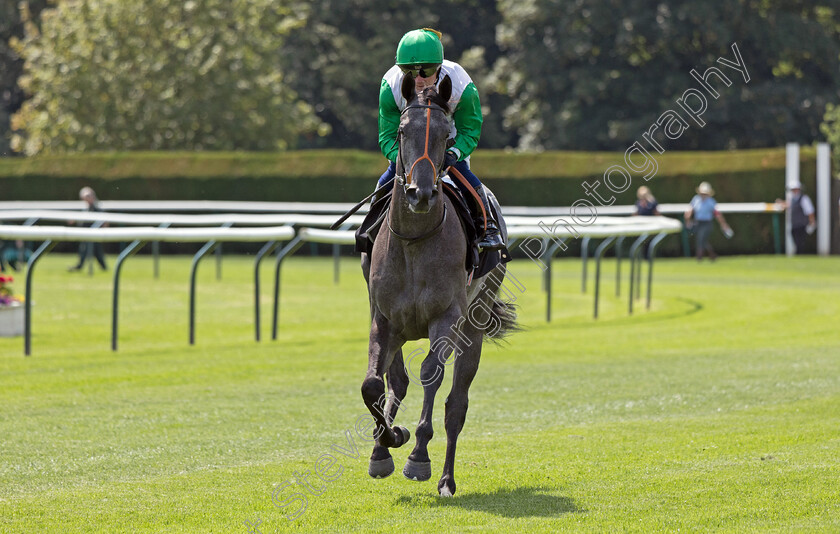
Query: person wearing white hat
[[802, 216], [703, 209]]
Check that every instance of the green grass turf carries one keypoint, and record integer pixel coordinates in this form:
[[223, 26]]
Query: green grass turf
[[716, 410]]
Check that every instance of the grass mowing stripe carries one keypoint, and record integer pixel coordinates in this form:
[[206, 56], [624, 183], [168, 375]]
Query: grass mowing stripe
[[715, 410]]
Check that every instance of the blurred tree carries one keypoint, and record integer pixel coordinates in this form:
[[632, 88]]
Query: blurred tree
[[595, 75], [831, 129], [160, 75], [11, 65], [552, 74], [337, 58]]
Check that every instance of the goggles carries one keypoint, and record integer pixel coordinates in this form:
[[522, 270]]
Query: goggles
[[423, 71]]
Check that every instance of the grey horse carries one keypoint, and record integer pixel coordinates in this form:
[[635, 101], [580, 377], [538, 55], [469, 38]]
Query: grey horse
[[418, 288]]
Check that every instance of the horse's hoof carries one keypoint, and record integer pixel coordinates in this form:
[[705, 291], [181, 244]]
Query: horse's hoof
[[404, 434], [446, 487], [381, 468], [418, 471]]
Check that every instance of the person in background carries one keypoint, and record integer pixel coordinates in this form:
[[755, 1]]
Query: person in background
[[89, 196], [3, 248], [14, 254], [703, 210], [646, 203], [802, 216]]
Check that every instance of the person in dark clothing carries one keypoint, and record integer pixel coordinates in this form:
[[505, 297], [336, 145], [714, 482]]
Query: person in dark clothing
[[646, 203], [89, 248], [14, 254], [802, 216]]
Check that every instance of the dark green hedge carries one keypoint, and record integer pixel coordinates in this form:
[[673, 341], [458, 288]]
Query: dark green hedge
[[546, 179]]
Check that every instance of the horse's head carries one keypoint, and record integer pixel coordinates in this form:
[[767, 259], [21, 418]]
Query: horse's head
[[424, 129]]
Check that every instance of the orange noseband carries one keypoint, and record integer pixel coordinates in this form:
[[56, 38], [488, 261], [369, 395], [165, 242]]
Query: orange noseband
[[425, 155]]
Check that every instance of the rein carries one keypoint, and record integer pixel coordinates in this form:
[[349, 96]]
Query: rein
[[400, 179]]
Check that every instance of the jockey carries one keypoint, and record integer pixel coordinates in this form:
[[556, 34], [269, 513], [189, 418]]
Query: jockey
[[420, 52]]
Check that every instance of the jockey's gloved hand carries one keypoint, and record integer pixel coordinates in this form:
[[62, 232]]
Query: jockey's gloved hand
[[450, 159]]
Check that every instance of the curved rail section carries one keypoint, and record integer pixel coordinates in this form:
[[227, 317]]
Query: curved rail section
[[542, 238], [326, 210], [177, 219], [337, 208], [538, 232], [138, 236]]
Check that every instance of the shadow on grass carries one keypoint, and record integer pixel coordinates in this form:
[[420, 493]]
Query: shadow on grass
[[518, 502]]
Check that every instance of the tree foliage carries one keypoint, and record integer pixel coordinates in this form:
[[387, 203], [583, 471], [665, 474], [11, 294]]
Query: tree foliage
[[157, 74], [11, 64], [831, 129], [552, 74], [337, 58], [596, 74]]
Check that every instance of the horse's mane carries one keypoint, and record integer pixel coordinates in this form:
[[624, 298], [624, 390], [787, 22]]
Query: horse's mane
[[430, 94]]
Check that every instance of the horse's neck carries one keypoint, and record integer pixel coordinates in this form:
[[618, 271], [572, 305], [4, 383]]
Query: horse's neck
[[407, 223]]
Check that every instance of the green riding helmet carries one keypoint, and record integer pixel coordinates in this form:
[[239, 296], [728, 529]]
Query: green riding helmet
[[419, 47]]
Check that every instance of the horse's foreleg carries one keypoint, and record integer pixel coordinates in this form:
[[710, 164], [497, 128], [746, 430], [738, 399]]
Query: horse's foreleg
[[418, 466], [466, 366], [383, 346], [381, 464], [365, 261]]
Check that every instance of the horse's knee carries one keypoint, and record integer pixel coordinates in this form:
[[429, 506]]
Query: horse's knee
[[431, 373], [373, 388], [455, 413], [424, 431], [456, 402]]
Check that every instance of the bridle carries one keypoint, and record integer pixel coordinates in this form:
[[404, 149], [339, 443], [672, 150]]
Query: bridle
[[405, 180]]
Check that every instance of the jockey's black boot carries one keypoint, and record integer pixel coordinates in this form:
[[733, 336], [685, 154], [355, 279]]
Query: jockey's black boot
[[491, 239]]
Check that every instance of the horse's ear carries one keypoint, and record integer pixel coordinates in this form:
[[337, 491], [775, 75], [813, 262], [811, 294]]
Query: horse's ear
[[407, 88], [445, 88]]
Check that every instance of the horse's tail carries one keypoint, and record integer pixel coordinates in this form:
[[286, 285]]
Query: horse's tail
[[506, 313]]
